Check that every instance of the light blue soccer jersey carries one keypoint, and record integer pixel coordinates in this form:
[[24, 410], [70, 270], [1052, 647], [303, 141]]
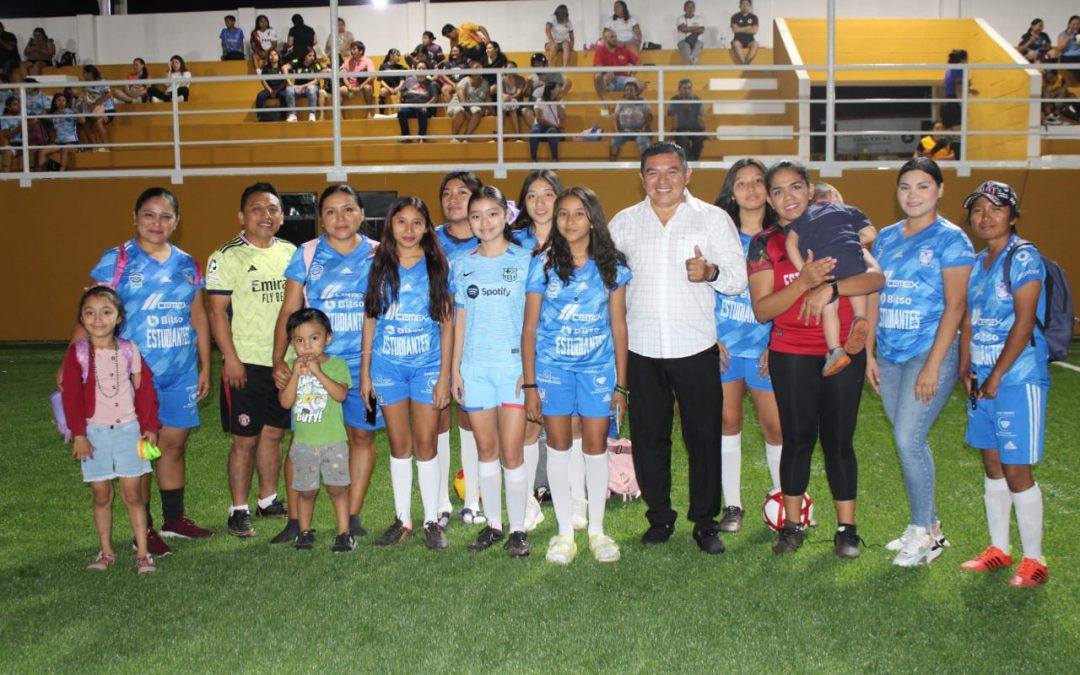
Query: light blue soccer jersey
[[736, 325], [574, 332], [992, 313], [492, 291], [336, 284], [405, 334], [65, 127], [913, 300], [526, 237], [453, 247], [157, 300]]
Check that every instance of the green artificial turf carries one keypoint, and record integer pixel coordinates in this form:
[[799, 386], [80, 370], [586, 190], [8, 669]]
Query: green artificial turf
[[229, 605]]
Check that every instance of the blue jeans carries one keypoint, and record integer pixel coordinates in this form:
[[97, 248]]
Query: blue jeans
[[911, 420], [550, 134], [312, 94]]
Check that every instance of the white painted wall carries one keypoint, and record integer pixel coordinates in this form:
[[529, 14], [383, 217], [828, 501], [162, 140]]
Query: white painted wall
[[518, 25]]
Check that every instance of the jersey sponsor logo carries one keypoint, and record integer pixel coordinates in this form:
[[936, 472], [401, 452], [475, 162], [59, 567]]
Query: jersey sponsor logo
[[578, 346], [330, 291], [473, 291], [212, 267], [510, 274], [407, 288], [570, 313], [394, 313], [406, 346], [902, 319], [906, 284], [926, 257], [737, 311], [155, 301], [167, 338]]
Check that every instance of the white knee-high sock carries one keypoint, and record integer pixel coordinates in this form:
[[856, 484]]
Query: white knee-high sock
[[998, 508], [517, 492], [428, 474], [1029, 520], [596, 481], [532, 460], [772, 460], [577, 470], [731, 469], [491, 492], [558, 467], [469, 461], [443, 488], [401, 482]]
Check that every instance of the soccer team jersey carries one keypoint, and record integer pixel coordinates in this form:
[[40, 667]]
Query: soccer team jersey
[[453, 247], [254, 280], [992, 313], [405, 334], [736, 325], [157, 301], [492, 291], [317, 418], [336, 284], [913, 300], [574, 332], [526, 238]]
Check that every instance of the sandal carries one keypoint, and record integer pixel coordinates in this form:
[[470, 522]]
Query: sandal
[[102, 562], [472, 517], [604, 548]]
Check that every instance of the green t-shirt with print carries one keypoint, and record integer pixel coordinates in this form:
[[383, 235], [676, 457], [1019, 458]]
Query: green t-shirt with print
[[317, 418]]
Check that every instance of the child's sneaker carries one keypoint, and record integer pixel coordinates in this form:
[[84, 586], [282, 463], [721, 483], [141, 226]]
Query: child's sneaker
[[1030, 573], [343, 543], [101, 563], [991, 559], [857, 334], [604, 548], [305, 541], [561, 550], [144, 565], [836, 361]]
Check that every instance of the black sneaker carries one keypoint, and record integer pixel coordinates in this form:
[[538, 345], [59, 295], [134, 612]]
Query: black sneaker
[[240, 524], [657, 534], [355, 528], [708, 539], [395, 534], [292, 529], [790, 539], [343, 543], [732, 520], [305, 541], [487, 538], [846, 542], [277, 509], [517, 545], [435, 536]]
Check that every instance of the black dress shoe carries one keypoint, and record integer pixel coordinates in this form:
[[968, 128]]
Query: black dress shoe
[[657, 534], [708, 539]]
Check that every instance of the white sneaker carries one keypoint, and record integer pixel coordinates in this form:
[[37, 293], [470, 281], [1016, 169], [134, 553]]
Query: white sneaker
[[935, 532], [1052, 119], [561, 550], [533, 514], [311, 117], [916, 549], [291, 117], [898, 543], [580, 517]]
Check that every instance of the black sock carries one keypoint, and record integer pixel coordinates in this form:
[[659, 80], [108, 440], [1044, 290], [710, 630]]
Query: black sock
[[172, 505], [845, 527]]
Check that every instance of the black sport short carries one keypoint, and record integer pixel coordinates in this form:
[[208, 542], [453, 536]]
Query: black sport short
[[244, 412]]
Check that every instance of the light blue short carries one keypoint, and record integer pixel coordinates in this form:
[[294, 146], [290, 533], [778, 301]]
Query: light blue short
[[746, 368], [491, 387], [394, 382], [1014, 422], [178, 399], [569, 392], [115, 453], [354, 409]]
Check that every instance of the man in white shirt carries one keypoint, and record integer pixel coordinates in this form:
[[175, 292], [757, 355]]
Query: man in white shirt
[[692, 28], [681, 251]]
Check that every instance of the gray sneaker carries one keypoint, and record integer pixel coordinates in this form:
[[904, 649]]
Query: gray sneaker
[[732, 520], [790, 539]]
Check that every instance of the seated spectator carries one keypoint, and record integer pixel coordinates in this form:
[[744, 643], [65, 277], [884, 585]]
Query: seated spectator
[[180, 85], [1034, 43], [472, 92], [454, 66], [427, 46], [1067, 49], [40, 51], [232, 41], [37, 104], [274, 87], [10, 132], [1053, 87], [10, 56], [358, 62], [550, 116], [687, 117], [633, 117], [418, 93], [64, 124], [493, 58], [301, 37], [471, 37], [611, 54], [744, 26], [538, 81], [98, 108], [133, 93], [516, 94], [936, 145], [390, 86], [626, 29], [560, 36], [308, 87], [692, 28], [343, 44], [263, 39]]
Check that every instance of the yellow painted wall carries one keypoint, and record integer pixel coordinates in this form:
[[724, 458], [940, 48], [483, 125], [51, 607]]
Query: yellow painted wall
[[55, 231]]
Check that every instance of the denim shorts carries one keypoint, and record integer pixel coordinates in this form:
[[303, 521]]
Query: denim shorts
[[115, 453]]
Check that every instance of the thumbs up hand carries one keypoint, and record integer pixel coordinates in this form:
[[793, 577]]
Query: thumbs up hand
[[698, 268]]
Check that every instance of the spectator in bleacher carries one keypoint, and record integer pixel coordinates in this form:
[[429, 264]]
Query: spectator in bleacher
[[301, 37], [133, 93], [471, 37], [180, 85], [99, 108], [427, 46], [10, 132], [517, 97], [390, 86], [454, 65], [952, 112], [274, 88], [418, 92], [539, 81], [612, 54], [1053, 87], [493, 58], [744, 26], [550, 116], [560, 36], [344, 42], [626, 29], [687, 116], [40, 51], [263, 39], [358, 62], [472, 92], [1067, 49], [633, 117], [232, 41], [10, 56], [936, 145], [1034, 43], [65, 127], [308, 87], [692, 27]]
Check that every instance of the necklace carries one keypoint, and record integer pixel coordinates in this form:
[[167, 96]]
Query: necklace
[[116, 374]]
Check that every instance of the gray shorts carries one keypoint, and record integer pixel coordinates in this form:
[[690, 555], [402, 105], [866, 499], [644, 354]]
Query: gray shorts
[[332, 461]]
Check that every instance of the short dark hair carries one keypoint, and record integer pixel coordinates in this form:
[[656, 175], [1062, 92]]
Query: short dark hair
[[447, 29], [297, 20], [428, 34], [230, 17], [256, 188], [359, 45], [306, 315], [663, 148]]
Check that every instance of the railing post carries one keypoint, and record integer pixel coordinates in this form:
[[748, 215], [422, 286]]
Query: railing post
[[178, 176], [335, 93], [964, 112], [500, 154], [830, 83], [24, 123], [660, 105]]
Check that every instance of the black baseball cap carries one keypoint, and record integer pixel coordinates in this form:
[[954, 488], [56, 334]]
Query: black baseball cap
[[998, 193]]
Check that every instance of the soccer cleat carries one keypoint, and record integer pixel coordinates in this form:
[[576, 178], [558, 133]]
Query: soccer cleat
[[343, 543], [846, 542], [561, 550], [836, 361], [856, 339], [917, 548], [155, 545], [289, 534], [533, 515], [487, 538], [240, 524], [1030, 573], [444, 519], [435, 536], [101, 563], [355, 528], [604, 548], [145, 565], [789, 540], [185, 528], [991, 559], [472, 516], [517, 544], [732, 520], [395, 534], [580, 514], [277, 509], [305, 541]]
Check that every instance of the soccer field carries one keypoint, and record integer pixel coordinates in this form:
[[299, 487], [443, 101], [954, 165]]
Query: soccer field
[[229, 605]]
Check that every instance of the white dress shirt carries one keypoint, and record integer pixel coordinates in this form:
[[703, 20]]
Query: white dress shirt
[[668, 316]]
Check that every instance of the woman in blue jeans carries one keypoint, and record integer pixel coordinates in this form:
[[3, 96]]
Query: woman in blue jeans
[[927, 261]]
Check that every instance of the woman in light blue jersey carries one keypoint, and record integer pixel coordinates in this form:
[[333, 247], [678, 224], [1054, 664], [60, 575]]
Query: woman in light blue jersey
[[914, 322]]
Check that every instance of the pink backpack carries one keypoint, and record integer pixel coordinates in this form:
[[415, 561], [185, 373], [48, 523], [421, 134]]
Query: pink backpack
[[621, 477], [82, 355]]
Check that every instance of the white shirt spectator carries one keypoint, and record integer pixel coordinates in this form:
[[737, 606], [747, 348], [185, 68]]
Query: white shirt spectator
[[668, 316], [560, 32], [624, 29], [696, 21], [266, 38]]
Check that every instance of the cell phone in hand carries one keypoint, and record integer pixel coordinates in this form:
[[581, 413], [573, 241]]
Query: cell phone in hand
[[973, 395], [372, 411]]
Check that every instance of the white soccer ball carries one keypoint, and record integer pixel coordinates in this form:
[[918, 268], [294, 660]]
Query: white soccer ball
[[773, 510]]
